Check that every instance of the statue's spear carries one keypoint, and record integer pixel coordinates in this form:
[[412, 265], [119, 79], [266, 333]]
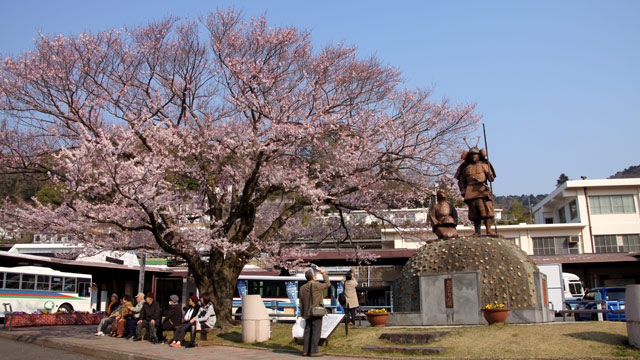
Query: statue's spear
[[486, 147]]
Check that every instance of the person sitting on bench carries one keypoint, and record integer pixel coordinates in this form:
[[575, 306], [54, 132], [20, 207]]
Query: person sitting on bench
[[150, 317], [188, 324], [172, 317]]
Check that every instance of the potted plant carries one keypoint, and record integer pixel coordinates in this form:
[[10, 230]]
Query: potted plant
[[377, 317], [495, 314]]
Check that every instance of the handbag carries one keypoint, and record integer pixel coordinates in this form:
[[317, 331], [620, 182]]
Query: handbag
[[342, 299], [317, 311]]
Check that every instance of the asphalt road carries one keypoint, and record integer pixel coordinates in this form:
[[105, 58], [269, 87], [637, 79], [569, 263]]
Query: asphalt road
[[14, 350]]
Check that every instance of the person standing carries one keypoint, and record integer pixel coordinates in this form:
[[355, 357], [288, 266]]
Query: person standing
[[350, 285], [311, 295], [150, 317]]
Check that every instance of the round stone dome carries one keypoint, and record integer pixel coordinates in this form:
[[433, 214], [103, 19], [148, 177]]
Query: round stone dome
[[506, 272]]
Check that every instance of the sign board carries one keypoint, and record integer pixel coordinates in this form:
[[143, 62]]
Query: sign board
[[329, 323]]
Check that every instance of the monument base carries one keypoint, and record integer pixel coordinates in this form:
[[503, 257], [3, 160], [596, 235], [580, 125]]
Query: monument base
[[455, 299], [449, 282]]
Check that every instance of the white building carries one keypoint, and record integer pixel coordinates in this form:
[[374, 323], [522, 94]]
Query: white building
[[606, 212]]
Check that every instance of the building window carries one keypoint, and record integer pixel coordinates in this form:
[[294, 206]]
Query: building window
[[543, 246], [612, 204], [617, 243], [559, 245], [631, 243], [573, 210], [562, 215], [606, 243]]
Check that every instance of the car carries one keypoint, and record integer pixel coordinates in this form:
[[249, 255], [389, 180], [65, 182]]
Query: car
[[612, 296]]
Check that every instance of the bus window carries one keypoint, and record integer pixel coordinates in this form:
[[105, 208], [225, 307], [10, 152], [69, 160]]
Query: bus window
[[43, 282], [253, 287], [28, 282], [1, 280], [84, 287], [274, 289], [56, 283], [13, 281], [69, 284]]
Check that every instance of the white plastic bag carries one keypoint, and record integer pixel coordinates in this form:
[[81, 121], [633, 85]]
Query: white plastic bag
[[298, 329]]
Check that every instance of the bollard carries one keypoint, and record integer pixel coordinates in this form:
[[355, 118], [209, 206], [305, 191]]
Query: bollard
[[632, 310], [255, 319]]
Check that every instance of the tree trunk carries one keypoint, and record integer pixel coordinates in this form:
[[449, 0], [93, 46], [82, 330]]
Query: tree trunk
[[218, 277], [224, 275]]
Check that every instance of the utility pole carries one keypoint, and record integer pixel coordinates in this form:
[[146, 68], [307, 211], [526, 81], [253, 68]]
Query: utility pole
[[530, 211], [143, 260]]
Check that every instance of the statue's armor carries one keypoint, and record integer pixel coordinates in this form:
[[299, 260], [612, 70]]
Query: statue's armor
[[474, 177]]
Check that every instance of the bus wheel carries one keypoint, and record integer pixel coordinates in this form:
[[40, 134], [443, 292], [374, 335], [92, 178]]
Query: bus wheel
[[65, 308]]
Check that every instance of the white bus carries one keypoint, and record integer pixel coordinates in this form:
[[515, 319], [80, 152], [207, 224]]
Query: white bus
[[32, 288]]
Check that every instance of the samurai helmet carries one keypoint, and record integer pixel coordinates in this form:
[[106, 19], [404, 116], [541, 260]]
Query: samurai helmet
[[472, 149]]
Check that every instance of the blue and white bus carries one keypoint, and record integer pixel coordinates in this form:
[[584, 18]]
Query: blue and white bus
[[273, 290], [32, 288]]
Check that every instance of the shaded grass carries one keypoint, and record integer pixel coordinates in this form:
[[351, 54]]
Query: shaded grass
[[570, 340]]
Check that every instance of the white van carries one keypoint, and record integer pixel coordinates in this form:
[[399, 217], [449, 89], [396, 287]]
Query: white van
[[573, 289]]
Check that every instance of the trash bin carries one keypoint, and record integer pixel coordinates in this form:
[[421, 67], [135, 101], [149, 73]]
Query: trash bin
[[632, 313], [255, 319]]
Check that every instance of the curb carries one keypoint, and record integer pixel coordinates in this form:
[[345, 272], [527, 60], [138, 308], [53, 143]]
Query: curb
[[70, 347], [110, 354]]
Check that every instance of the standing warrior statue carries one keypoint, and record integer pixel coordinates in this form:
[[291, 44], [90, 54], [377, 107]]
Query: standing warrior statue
[[473, 175]]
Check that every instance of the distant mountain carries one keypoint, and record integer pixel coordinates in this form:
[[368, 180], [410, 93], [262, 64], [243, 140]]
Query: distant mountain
[[630, 172], [506, 202]]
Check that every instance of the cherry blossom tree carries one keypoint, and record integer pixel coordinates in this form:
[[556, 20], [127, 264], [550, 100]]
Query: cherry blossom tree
[[214, 140]]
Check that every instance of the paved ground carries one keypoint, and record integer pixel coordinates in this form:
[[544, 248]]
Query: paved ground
[[80, 341], [15, 350]]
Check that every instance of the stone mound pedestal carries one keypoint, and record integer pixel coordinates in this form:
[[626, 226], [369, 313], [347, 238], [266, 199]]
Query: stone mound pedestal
[[449, 282]]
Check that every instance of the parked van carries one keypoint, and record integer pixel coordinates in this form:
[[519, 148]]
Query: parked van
[[573, 289]]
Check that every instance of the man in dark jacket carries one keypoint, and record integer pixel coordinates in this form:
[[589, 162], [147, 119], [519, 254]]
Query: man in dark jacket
[[172, 317], [150, 317], [311, 295]]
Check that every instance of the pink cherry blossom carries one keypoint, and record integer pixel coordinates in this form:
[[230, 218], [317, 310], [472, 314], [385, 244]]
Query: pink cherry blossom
[[217, 140]]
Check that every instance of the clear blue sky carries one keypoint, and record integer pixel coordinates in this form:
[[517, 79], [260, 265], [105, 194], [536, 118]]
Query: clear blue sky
[[558, 82]]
